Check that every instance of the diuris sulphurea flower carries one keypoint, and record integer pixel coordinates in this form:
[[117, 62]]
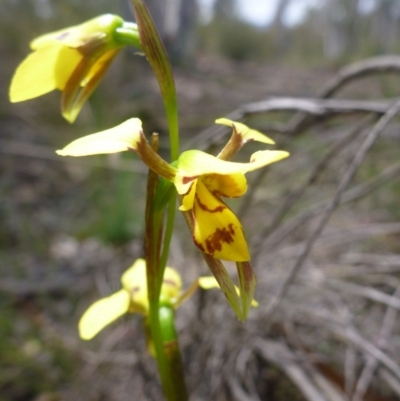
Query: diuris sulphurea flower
[[201, 180], [72, 60], [133, 298]]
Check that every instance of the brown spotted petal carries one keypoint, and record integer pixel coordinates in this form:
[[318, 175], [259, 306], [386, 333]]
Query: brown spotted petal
[[217, 231], [230, 186]]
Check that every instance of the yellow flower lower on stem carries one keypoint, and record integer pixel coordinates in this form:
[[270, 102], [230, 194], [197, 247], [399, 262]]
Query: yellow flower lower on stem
[[201, 179], [73, 60], [133, 298]]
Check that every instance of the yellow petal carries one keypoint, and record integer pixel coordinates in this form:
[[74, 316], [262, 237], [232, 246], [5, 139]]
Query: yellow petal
[[102, 313], [79, 90], [123, 137], [79, 35], [247, 134], [188, 198], [171, 286], [100, 66], [134, 281], [230, 185], [217, 231], [194, 163], [209, 282], [42, 71]]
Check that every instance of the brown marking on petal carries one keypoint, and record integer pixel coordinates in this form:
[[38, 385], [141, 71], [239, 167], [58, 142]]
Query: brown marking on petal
[[218, 209], [135, 289], [170, 282], [199, 245], [185, 180], [221, 235], [188, 191]]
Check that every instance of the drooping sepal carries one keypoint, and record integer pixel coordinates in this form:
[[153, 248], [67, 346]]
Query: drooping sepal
[[247, 285], [225, 283]]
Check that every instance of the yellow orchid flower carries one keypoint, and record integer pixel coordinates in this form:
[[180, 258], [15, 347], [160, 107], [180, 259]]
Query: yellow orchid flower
[[72, 60], [133, 298], [201, 179]]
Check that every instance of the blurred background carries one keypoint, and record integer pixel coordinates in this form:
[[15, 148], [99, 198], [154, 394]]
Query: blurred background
[[69, 228]]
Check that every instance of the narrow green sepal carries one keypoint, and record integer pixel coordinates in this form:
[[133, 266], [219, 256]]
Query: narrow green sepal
[[225, 282], [247, 285]]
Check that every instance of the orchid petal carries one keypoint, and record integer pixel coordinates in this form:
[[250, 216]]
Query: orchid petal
[[78, 35], [102, 313], [83, 81], [247, 134], [125, 136], [217, 231], [134, 281], [171, 285], [188, 198], [230, 186], [194, 163], [46, 69]]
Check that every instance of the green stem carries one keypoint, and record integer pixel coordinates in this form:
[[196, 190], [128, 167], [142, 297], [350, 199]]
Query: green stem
[[153, 220], [128, 35], [170, 365], [168, 231], [159, 62]]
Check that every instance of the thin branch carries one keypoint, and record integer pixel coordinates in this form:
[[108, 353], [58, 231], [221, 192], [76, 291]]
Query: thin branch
[[371, 364], [367, 292], [360, 69], [358, 159], [279, 354], [318, 107], [295, 195], [331, 322], [353, 194]]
